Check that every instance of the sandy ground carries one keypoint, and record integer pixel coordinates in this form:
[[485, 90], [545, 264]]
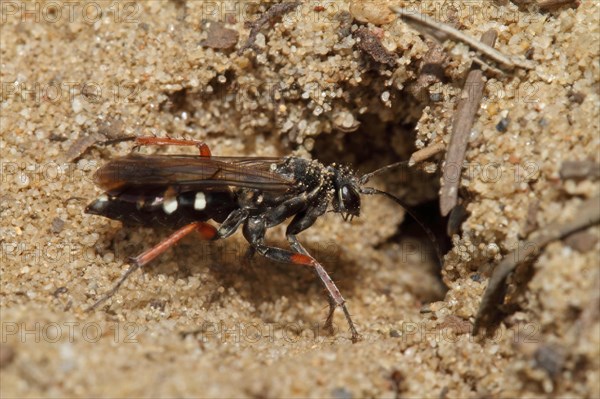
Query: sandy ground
[[200, 322]]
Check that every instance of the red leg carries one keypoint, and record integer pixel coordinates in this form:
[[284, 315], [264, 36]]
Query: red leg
[[207, 232], [203, 148], [299, 259], [139, 141], [335, 297]]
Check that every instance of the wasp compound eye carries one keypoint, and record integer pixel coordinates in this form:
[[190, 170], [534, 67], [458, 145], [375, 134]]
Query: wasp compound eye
[[350, 199]]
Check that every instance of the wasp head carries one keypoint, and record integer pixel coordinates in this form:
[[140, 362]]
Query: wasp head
[[346, 197]]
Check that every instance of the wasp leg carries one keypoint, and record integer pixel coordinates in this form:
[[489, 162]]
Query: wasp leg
[[254, 231], [298, 224], [248, 256], [301, 222], [232, 222], [133, 267], [151, 140], [333, 303], [207, 232], [202, 147], [335, 297]]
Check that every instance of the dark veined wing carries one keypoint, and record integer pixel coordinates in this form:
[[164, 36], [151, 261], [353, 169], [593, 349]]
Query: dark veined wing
[[189, 172]]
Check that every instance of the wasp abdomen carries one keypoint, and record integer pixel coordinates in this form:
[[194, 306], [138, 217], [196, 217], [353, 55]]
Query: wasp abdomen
[[168, 209]]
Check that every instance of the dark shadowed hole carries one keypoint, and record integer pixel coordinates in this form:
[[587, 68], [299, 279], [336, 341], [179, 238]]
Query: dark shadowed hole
[[429, 214], [370, 148]]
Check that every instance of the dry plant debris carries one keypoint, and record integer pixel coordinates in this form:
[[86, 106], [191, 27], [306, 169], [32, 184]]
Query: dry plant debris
[[426, 153], [548, 5], [442, 32], [579, 170], [219, 36], [587, 215], [274, 12], [466, 110], [368, 42]]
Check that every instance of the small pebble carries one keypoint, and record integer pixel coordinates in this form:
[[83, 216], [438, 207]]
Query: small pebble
[[341, 393], [503, 125], [7, 355], [57, 225], [376, 12]]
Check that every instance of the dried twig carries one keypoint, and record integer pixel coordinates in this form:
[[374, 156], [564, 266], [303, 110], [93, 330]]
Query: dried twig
[[274, 12], [467, 108], [579, 170], [426, 153], [548, 5], [442, 32], [587, 215]]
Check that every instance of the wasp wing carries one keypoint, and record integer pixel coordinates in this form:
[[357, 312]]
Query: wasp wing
[[190, 173]]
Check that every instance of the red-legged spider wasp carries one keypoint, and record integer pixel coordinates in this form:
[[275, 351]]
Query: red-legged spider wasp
[[183, 192]]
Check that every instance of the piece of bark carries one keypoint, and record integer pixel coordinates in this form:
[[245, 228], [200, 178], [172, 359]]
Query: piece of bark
[[219, 37], [548, 5], [467, 109], [370, 44], [579, 170]]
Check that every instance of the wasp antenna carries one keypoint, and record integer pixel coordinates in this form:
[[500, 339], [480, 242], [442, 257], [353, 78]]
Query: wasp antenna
[[365, 178], [427, 230]]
